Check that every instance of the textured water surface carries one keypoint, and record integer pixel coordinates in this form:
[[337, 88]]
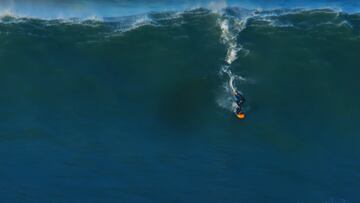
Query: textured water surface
[[137, 108]]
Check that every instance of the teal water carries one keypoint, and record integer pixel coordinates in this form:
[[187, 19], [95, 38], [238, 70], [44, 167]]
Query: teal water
[[134, 109]]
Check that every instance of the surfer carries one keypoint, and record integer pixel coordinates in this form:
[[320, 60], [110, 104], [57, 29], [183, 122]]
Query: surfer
[[239, 100], [238, 97]]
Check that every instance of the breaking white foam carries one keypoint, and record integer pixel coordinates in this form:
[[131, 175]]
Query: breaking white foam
[[231, 27]]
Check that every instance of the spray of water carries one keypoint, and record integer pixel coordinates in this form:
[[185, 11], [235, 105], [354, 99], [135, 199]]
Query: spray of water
[[231, 27]]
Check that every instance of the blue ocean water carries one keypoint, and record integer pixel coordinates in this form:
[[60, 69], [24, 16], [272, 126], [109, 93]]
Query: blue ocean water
[[130, 101]]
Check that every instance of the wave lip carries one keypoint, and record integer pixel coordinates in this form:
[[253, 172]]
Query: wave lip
[[55, 9], [117, 15], [304, 19], [232, 20]]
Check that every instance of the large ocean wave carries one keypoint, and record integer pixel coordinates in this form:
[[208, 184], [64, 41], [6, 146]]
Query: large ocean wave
[[230, 21], [134, 105]]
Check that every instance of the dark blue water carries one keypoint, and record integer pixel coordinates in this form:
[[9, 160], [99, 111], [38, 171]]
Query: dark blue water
[[137, 108]]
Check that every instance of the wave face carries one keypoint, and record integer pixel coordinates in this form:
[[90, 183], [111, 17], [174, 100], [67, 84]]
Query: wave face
[[138, 108]]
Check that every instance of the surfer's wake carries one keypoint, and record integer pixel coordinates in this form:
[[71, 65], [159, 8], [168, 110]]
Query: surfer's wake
[[231, 26]]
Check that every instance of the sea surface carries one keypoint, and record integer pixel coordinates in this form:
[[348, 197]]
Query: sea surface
[[136, 107]]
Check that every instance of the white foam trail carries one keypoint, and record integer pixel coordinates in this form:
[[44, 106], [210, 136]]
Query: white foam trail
[[230, 29], [229, 37]]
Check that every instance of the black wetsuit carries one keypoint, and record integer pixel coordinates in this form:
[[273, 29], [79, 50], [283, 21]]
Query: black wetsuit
[[240, 100]]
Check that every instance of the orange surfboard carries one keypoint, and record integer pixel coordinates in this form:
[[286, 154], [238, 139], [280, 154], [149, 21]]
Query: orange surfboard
[[240, 115]]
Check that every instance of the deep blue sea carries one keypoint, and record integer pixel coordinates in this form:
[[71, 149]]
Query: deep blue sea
[[123, 101]]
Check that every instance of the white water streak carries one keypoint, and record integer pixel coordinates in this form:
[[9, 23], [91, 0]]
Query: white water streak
[[230, 29]]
